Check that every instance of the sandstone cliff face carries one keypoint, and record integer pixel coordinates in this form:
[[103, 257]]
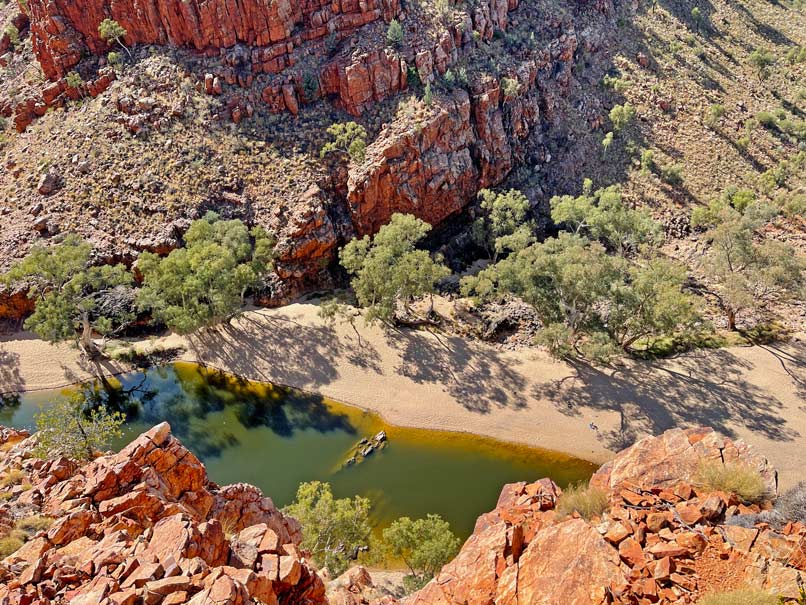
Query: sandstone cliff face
[[147, 526], [62, 29]]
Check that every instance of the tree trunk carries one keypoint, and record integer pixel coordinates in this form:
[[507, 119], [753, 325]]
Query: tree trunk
[[87, 344], [731, 314]]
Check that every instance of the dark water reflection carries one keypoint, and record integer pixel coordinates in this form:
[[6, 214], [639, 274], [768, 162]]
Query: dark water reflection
[[277, 438]]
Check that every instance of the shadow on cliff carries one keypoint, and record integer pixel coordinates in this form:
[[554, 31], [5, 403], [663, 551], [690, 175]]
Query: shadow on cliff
[[708, 388], [480, 379]]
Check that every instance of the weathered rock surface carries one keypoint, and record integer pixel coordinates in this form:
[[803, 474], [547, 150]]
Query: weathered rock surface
[[147, 526], [663, 540]]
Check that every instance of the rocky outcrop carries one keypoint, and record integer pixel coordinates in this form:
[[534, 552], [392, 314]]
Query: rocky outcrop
[[147, 526], [62, 29], [662, 539], [431, 161]]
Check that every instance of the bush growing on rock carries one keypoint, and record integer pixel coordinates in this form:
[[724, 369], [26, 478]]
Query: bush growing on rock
[[394, 35], [206, 281], [334, 530], [792, 504], [74, 300], [68, 428], [424, 545], [9, 545], [621, 116], [349, 138], [736, 478], [388, 272], [589, 502], [111, 31]]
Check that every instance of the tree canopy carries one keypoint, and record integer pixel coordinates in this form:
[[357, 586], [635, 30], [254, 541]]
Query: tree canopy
[[503, 225], [67, 428], [334, 530], [745, 270], [388, 271], [424, 545], [73, 298], [206, 281]]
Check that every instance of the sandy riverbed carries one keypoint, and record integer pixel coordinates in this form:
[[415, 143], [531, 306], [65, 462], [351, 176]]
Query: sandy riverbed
[[447, 382]]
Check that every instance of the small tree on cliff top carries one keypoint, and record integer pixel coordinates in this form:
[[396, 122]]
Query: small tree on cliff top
[[73, 300], [111, 31]]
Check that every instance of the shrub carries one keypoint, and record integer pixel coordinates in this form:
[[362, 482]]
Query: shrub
[[714, 114], [114, 58], [747, 596], [792, 504], [588, 501], [762, 59], [672, 174], [9, 545], [394, 35], [767, 119], [310, 86], [510, 87], [647, 161], [428, 95], [13, 477], [74, 80], [621, 116], [607, 141], [616, 83], [13, 34], [34, 523], [734, 477]]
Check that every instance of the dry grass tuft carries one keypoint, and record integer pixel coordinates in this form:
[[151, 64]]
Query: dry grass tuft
[[740, 479], [9, 545], [33, 524], [12, 477], [747, 596], [588, 501]]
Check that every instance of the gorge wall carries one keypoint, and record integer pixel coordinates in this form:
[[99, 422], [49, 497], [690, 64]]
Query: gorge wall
[[429, 160]]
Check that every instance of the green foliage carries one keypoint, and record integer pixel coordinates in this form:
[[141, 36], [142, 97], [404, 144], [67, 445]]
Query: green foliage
[[733, 477], [388, 271], [73, 80], [672, 174], [604, 215], [114, 59], [310, 86], [648, 161], [767, 119], [348, 137], [762, 60], [334, 530], [503, 226], [71, 296], [607, 141], [714, 114], [616, 83], [510, 87], [394, 35], [67, 428], [588, 301], [621, 116], [206, 281], [13, 34], [424, 545], [744, 271], [33, 524], [111, 31], [589, 502], [796, 55], [428, 95]]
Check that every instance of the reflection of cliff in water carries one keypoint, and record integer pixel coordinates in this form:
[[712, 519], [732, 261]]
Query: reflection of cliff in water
[[187, 395]]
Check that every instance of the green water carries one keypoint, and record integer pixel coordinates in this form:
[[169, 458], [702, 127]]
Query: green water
[[276, 438]]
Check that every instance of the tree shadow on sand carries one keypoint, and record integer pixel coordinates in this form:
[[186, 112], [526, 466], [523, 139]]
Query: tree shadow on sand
[[295, 354], [703, 388], [480, 380], [11, 380]]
